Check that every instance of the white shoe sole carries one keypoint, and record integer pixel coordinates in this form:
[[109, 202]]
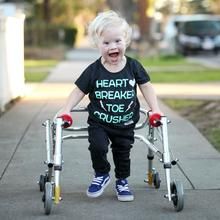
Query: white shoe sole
[[128, 198], [99, 193]]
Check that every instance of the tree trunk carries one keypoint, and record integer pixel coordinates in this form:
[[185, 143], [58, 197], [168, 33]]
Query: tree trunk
[[46, 11], [143, 20], [125, 7]]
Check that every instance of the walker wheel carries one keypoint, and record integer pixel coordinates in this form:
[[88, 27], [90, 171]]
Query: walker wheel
[[48, 196], [156, 180], [42, 181], [177, 195]]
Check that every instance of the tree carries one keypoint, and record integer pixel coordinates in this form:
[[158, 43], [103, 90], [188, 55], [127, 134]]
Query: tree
[[135, 11], [122, 7], [214, 6], [142, 19], [46, 11], [189, 6], [60, 12], [197, 6]]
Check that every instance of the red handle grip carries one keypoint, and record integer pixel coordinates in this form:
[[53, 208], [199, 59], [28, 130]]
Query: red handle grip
[[67, 120], [154, 119]]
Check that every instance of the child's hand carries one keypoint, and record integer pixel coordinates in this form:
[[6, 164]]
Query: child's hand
[[155, 119], [67, 120]]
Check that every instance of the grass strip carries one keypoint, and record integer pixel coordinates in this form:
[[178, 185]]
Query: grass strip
[[38, 70], [204, 114]]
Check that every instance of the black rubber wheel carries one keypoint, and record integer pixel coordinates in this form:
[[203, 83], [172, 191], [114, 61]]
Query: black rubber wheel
[[177, 195], [48, 197], [42, 181], [156, 180]]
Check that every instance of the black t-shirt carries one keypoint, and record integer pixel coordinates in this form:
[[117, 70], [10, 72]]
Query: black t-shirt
[[113, 96]]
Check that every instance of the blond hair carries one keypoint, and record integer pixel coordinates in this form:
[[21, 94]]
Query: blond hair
[[105, 20]]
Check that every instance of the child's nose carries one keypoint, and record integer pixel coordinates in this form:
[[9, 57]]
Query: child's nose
[[113, 45]]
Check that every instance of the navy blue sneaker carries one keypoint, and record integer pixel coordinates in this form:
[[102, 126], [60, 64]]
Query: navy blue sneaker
[[98, 185], [123, 192]]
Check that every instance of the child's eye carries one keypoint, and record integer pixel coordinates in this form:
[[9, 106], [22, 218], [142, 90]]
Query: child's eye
[[118, 40], [106, 43]]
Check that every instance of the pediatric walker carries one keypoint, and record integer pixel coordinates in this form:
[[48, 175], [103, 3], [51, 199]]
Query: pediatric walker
[[156, 132]]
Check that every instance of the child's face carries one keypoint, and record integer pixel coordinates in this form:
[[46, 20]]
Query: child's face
[[112, 45]]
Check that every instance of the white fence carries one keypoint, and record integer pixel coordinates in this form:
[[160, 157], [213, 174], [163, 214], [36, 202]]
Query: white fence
[[11, 58]]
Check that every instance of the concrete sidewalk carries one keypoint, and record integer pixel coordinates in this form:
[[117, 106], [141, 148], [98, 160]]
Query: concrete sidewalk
[[22, 151]]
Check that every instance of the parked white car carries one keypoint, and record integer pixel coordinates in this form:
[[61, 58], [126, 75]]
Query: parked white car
[[177, 38]]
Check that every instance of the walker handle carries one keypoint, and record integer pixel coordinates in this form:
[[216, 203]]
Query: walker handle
[[67, 120], [155, 119]]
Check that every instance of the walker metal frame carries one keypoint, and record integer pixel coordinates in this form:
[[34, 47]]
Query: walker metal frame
[[49, 183]]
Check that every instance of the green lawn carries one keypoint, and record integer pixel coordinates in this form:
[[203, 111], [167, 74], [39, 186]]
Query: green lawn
[[213, 136], [163, 61], [38, 70], [181, 76], [36, 76], [39, 63], [203, 114], [178, 70], [180, 104]]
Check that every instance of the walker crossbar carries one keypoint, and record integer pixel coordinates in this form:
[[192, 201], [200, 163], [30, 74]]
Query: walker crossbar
[[54, 138]]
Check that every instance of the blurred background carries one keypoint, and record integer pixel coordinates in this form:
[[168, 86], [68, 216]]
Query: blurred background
[[163, 26]]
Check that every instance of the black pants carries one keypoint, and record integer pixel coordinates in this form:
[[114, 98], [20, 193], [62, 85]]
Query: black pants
[[121, 143]]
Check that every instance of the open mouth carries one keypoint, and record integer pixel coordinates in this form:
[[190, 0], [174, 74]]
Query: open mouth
[[115, 54]]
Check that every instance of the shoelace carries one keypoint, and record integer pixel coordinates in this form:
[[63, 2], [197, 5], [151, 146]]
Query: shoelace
[[97, 180], [122, 188]]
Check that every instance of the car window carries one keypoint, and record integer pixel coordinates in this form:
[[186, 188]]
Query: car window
[[202, 27], [218, 24]]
